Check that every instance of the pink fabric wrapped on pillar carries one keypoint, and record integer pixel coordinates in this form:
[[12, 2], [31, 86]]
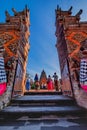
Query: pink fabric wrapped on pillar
[[2, 77], [84, 87], [2, 88]]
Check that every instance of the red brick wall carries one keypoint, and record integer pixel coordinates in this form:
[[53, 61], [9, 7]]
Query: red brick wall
[[14, 36], [73, 33]]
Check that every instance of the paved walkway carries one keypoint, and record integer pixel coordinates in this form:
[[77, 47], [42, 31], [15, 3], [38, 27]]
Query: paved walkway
[[53, 123]]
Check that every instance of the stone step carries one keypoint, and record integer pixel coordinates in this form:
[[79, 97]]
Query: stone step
[[43, 92], [43, 100], [16, 112]]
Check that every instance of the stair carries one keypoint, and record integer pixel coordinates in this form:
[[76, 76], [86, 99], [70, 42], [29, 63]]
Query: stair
[[39, 105], [45, 92], [43, 100]]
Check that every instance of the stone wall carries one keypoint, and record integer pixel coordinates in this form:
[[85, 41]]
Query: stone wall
[[63, 55], [80, 95], [14, 36], [75, 34]]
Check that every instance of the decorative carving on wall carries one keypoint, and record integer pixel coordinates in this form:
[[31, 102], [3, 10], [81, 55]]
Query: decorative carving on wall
[[74, 42], [13, 47], [9, 40]]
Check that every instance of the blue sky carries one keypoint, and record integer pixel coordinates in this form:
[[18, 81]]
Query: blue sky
[[43, 53]]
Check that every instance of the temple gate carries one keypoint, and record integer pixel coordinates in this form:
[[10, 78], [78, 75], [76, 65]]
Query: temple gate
[[14, 36], [71, 36]]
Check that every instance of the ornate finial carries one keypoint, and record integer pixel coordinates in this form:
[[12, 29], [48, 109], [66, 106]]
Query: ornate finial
[[15, 12], [57, 7], [70, 9], [7, 14], [26, 7], [25, 10], [79, 13]]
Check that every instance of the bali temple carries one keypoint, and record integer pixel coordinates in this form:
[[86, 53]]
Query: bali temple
[[43, 78], [14, 35], [71, 36]]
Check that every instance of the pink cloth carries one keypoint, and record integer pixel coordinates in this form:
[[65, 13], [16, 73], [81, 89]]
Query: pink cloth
[[84, 87], [50, 85], [2, 88]]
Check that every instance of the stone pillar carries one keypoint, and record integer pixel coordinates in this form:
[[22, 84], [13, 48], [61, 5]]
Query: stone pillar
[[71, 36], [14, 36]]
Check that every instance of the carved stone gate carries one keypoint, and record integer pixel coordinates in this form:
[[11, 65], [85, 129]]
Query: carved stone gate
[[14, 36]]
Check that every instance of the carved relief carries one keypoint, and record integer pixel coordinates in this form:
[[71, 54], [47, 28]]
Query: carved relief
[[74, 42], [13, 47]]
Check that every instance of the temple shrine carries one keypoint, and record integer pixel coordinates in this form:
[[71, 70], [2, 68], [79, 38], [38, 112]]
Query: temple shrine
[[43, 78]]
